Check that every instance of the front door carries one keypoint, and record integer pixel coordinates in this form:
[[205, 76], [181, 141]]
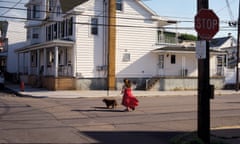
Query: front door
[[161, 65]]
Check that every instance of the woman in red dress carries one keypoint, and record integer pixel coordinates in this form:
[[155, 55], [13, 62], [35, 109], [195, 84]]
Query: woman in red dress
[[128, 100]]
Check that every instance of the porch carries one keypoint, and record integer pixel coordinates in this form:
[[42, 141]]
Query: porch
[[48, 65]]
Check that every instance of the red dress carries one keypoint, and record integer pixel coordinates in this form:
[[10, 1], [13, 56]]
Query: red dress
[[128, 99]]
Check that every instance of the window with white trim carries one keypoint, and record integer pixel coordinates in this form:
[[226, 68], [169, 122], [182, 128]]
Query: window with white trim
[[36, 11], [173, 59], [94, 26], [119, 5]]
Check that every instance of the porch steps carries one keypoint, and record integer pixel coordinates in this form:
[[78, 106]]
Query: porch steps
[[151, 82]]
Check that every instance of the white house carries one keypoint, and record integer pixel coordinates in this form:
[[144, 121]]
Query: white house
[[68, 45], [15, 38], [229, 45]]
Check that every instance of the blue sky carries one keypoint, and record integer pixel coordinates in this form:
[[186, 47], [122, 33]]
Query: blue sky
[[182, 10], [185, 10]]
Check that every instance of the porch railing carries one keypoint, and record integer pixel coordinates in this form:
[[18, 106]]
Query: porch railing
[[62, 71], [65, 70]]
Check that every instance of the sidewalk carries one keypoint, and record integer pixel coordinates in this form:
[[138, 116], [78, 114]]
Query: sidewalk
[[41, 93]]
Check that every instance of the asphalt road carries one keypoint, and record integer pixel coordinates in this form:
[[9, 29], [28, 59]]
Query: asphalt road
[[86, 120]]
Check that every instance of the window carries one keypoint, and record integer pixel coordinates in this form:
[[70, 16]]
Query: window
[[34, 59], [50, 58], [28, 34], [29, 13], [173, 59], [51, 5], [58, 11], [160, 38], [61, 29], [36, 11], [49, 33], [119, 4], [70, 26], [94, 26], [55, 31], [35, 34], [161, 61]]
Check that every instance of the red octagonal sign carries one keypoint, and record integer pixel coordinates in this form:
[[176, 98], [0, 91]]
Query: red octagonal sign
[[206, 24]]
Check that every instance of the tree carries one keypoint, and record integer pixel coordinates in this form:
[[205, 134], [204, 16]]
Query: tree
[[188, 37]]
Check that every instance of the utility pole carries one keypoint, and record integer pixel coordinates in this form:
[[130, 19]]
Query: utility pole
[[237, 54], [203, 88], [111, 44]]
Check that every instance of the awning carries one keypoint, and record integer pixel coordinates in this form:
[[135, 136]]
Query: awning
[[175, 49], [182, 49]]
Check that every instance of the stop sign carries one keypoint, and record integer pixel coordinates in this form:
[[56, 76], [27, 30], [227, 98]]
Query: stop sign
[[206, 24]]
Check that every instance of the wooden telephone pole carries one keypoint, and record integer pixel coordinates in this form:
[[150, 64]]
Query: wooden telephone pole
[[111, 44]]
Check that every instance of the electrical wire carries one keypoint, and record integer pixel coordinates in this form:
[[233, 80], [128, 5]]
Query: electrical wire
[[126, 26], [117, 17], [100, 15], [11, 8]]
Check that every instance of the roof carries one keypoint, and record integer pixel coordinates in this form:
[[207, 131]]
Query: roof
[[181, 49], [217, 42], [68, 5], [162, 21], [176, 48], [66, 43]]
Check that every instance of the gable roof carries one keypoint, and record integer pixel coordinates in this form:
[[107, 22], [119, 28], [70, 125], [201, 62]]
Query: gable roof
[[68, 5], [162, 21], [218, 42]]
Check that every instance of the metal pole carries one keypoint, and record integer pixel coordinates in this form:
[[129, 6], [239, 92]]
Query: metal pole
[[237, 54], [204, 92]]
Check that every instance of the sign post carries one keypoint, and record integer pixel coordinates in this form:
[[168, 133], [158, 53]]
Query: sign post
[[207, 25]]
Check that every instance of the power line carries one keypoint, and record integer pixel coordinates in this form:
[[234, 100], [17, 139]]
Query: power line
[[128, 26], [100, 15], [11, 2], [11, 8]]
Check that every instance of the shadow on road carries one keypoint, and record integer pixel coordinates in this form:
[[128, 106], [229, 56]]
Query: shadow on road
[[228, 136], [131, 137], [99, 109]]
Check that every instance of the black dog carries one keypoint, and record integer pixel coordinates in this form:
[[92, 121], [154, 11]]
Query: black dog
[[110, 103]]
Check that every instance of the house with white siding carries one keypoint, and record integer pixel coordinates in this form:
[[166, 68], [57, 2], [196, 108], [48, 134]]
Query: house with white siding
[[15, 38], [229, 45], [68, 45]]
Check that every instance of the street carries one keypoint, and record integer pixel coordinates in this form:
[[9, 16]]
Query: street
[[86, 120]]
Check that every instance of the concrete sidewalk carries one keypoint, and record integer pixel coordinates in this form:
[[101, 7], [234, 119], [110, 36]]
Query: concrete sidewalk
[[40, 92]]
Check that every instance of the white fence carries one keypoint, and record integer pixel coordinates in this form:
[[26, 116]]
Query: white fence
[[230, 76]]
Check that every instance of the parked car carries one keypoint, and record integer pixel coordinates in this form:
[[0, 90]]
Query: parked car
[[2, 80]]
